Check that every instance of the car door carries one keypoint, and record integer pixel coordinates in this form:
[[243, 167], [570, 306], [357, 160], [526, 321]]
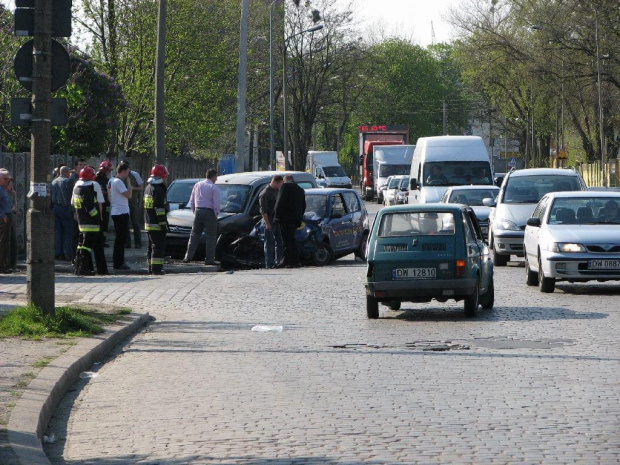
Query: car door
[[532, 233], [472, 246], [354, 207], [340, 226], [486, 264]]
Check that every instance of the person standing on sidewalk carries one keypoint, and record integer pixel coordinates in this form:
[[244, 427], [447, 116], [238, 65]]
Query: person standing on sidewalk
[[155, 223], [134, 180], [102, 178], [78, 166], [289, 213], [119, 211], [205, 203], [6, 222], [273, 237], [87, 200], [63, 215]]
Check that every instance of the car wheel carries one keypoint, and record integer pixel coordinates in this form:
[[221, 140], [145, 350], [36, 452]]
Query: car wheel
[[531, 277], [379, 200], [322, 256], [488, 299], [363, 247], [546, 285], [372, 307], [498, 260], [394, 305], [472, 302]]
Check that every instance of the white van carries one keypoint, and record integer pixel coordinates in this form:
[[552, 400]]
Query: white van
[[443, 161]]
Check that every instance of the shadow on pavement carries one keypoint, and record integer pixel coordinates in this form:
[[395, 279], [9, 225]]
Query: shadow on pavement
[[496, 314], [588, 288], [205, 459]]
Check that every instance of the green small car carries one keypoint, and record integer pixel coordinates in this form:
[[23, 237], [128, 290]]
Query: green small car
[[428, 251]]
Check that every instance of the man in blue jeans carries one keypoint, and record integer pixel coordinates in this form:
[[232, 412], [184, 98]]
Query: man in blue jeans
[[273, 236], [63, 215]]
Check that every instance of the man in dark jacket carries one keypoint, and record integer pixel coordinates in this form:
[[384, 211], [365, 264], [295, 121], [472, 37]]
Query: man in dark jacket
[[289, 214], [155, 223]]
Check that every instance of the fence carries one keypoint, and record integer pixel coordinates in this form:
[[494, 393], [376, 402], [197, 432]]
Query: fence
[[18, 165], [592, 173]]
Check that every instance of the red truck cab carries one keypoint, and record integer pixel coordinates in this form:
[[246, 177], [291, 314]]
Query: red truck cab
[[369, 137]]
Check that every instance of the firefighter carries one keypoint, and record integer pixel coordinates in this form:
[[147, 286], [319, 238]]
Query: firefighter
[[103, 176], [156, 225], [86, 201]]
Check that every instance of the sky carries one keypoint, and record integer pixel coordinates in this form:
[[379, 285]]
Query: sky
[[409, 18], [406, 18]]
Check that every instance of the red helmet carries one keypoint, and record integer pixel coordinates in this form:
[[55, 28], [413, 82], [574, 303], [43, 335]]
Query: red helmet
[[87, 174], [105, 165], [159, 171]]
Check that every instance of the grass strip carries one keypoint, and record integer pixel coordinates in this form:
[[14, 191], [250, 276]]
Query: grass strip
[[31, 323]]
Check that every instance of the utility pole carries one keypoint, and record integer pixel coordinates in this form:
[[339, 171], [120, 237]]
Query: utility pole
[[600, 100], [242, 89], [40, 219], [160, 141], [445, 118]]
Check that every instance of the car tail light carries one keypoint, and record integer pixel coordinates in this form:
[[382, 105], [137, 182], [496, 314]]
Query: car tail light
[[460, 268]]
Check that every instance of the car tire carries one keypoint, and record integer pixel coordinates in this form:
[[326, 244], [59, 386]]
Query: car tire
[[362, 249], [546, 285], [394, 305], [372, 307], [488, 299], [531, 277], [322, 256], [379, 200], [472, 302], [498, 260]]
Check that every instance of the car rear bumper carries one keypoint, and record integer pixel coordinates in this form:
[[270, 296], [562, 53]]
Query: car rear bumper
[[421, 288]]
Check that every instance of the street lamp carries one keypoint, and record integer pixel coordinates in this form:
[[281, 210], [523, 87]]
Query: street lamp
[[600, 101], [284, 84]]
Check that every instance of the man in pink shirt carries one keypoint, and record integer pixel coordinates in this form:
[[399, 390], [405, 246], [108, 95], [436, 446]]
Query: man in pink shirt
[[205, 203]]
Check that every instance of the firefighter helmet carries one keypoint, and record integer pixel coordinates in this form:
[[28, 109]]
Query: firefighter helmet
[[159, 171], [105, 165], [87, 174]]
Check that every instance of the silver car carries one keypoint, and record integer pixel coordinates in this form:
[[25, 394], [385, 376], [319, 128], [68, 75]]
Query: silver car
[[474, 196], [573, 236]]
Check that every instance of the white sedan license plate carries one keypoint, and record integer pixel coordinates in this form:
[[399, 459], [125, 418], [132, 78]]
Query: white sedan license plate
[[414, 273], [604, 264]]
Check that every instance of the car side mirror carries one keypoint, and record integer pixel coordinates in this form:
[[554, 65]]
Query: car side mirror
[[413, 184], [404, 189], [534, 221], [321, 176], [487, 202]]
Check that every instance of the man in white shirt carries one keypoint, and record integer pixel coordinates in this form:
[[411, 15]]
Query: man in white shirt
[[119, 211], [135, 207]]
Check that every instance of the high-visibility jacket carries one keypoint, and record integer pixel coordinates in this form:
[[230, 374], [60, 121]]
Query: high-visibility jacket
[[155, 207], [85, 203]]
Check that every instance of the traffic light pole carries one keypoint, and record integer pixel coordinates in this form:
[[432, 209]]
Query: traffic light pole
[[40, 219]]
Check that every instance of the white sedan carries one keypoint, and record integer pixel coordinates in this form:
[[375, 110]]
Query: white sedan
[[573, 236]]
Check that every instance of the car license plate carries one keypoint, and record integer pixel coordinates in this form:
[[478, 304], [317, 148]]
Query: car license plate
[[604, 264], [414, 273]]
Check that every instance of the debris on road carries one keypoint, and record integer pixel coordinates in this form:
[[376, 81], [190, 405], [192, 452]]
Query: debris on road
[[88, 374], [267, 329]]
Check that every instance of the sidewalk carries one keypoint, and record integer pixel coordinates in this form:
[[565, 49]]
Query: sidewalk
[[136, 259]]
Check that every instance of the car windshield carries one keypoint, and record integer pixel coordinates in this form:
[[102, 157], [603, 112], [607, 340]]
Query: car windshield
[[179, 192], [416, 224], [472, 197], [393, 170], [316, 205], [234, 197], [457, 173], [530, 189], [585, 210], [404, 182], [334, 171], [394, 182]]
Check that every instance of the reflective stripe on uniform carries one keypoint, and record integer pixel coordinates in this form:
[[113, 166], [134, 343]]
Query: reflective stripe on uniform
[[157, 261], [89, 228], [81, 247], [160, 211], [152, 227], [93, 212]]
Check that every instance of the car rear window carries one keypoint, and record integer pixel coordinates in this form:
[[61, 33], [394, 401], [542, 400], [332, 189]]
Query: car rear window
[[416, 224]]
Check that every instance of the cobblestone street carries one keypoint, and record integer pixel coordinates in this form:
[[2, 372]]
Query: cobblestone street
[[535, 380]]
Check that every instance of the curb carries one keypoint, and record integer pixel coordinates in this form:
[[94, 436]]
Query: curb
[[34, 409]]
